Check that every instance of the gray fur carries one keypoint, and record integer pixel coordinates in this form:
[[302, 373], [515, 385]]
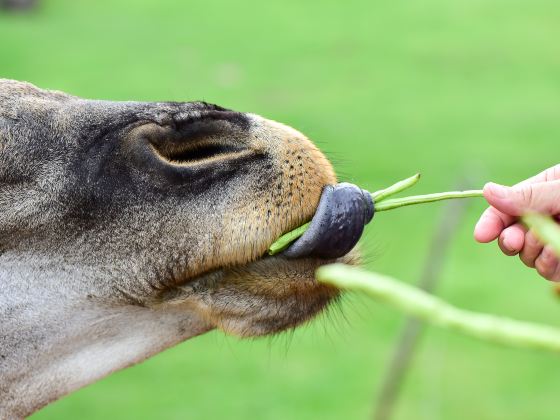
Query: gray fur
[[109, 253]]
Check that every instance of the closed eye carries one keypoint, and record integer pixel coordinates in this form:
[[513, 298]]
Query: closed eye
[[213, 136], [194, 152], [199, 152]]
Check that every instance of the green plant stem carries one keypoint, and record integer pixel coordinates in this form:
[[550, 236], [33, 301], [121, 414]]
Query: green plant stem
[[422, 305], [395, 188], [381, 204], [426, 198], [285, 240], [545, 228]]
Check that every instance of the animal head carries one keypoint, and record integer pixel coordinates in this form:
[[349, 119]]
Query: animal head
[[160, 211]]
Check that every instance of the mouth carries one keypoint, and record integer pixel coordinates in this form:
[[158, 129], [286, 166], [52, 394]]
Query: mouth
[[344, 210], [239, 288], [275, 293]]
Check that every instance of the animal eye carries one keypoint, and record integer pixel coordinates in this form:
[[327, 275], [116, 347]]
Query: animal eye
[[191, 152], [212, 137]]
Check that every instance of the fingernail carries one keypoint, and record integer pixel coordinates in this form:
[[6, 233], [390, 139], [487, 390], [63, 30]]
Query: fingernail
[[508, 246], [497, 190]]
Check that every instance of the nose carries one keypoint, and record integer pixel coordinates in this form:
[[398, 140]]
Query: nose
[[344, 209]]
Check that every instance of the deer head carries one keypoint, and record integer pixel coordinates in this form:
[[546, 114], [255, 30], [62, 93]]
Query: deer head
[[128, 227]]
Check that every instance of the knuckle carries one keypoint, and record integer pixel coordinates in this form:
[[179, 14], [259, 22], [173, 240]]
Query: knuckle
[[529, 262], [553, 173], [549, 255], [546, 265], [527, 195], [531, 241], [541, 268]]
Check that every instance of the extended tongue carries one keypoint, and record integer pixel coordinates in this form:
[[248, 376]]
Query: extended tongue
[[344, 209]]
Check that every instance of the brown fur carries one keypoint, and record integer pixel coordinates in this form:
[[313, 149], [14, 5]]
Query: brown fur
[[115, 245]]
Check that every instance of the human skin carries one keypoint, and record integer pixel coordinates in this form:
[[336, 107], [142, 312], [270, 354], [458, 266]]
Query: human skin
[[541, 194]]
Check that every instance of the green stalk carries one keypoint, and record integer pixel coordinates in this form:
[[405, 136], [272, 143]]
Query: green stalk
[[285, 240], [395, 188], [426, 198], [381, 204], [433, 310], [545, 228]]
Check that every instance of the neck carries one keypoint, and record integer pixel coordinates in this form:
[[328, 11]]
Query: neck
[[60, 334]]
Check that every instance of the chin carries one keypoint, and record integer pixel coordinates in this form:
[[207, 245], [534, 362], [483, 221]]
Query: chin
[[264, 297]]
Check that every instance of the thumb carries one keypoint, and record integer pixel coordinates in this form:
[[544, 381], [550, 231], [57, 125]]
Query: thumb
[[541, 197]]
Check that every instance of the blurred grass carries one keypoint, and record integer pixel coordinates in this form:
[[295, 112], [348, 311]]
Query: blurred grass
[[386, 89]]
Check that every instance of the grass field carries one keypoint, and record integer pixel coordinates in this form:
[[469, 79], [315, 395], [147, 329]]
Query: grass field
[[386, 89]]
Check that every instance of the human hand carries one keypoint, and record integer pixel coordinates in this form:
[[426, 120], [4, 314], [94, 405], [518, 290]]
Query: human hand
[[540, 194]]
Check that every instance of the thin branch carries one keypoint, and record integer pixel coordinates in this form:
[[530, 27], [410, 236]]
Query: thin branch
[[415, 302]]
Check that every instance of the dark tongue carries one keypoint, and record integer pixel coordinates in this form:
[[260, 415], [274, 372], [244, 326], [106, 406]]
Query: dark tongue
[[343, 211]]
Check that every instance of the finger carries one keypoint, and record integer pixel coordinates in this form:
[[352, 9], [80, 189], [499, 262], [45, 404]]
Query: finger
[[556, 276], [512, 239], [493, 221], [547, 263], [550, 174], [531, 250], [543, 197], [491, 224]]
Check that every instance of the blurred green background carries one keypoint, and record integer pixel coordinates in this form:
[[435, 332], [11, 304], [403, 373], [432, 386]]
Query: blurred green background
[[386, 88]]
